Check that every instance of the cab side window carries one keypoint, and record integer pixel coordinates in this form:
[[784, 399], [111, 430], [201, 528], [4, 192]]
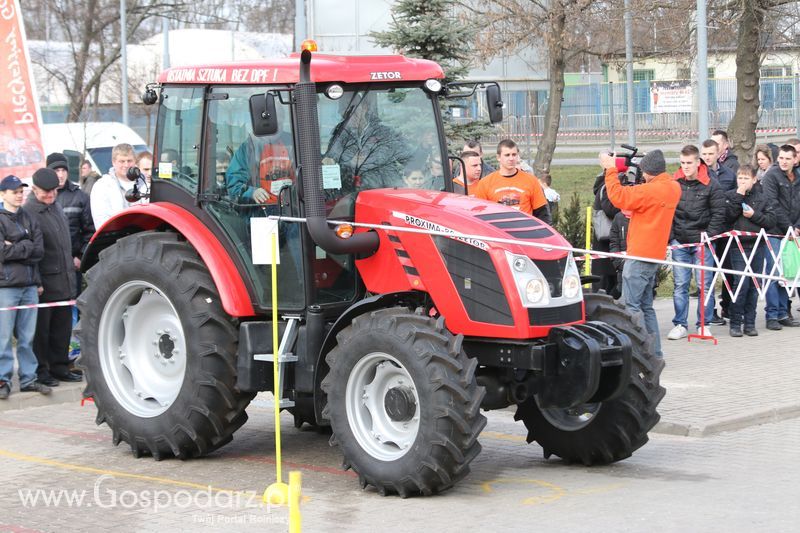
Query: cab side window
[[178, 152]]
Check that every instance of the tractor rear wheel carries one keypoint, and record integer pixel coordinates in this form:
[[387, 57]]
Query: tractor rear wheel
[[403, 402], [158, 350], [609, 431]]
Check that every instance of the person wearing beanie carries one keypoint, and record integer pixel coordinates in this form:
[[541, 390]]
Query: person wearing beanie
[[700, 210], [21, 249], [77, 207], [53, 324], [652, 206]]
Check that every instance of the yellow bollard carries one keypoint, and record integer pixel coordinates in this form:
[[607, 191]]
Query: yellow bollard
[[278, 492], [295, 518], [587, 263]]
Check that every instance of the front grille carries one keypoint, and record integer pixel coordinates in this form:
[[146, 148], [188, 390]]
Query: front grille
[[476, 281], [553, 316]]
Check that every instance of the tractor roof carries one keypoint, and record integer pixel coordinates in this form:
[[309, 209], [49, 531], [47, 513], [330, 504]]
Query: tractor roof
[[324, 68]]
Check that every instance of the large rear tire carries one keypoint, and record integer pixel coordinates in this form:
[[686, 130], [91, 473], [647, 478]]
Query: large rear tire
[[403, 402], [609, 431], [159, 351]]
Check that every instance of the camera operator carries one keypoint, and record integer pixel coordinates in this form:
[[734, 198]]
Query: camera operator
[[652, 205]]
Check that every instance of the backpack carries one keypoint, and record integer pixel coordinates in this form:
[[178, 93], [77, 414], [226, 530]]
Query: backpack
[[601, 224]]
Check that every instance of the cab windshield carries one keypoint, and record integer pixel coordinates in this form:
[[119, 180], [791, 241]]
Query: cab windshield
[[379, 137]]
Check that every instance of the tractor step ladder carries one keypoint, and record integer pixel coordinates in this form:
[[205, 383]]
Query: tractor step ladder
[[288, 339]]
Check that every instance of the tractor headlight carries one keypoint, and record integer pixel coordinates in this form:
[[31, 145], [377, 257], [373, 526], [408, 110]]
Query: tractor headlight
[[531, 283], [571, 283], [535, 290], [571, 286]]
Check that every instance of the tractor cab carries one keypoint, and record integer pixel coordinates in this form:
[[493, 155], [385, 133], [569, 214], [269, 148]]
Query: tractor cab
[[228, 148]]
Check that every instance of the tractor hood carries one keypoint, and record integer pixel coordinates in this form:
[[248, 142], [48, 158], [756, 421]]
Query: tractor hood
[[484, 288], [441, 211]]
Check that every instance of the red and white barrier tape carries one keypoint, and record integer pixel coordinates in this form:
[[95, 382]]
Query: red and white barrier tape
[[38, 306]]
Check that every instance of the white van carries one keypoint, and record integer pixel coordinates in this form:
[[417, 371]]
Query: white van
[[94, 140]]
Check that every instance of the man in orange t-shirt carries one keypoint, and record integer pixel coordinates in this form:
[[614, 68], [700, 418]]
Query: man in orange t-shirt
[[513, 187], [652, 207]]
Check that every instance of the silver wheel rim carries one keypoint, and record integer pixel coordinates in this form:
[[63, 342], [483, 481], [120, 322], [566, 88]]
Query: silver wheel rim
[[376, 431], [142, 349], [572, 418]]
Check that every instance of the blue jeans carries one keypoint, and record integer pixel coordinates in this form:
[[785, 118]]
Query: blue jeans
[[22, 324], [638, 281], [743, 310], [777, 298], [683, 278]]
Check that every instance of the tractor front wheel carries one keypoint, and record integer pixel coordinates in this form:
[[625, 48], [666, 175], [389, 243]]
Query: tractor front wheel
[[604, 432], [403, 402]]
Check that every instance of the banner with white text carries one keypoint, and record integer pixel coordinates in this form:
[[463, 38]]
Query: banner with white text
[[21, 150]]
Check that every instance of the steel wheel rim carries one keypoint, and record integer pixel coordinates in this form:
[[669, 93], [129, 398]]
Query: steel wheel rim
[[142, 349], [369, 382], [571, 418]]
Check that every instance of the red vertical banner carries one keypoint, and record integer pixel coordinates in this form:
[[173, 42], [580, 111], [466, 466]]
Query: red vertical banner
[[21, 150]]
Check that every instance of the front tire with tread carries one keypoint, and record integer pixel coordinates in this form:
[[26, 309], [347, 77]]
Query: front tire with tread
[[612, 430], [445, 440]]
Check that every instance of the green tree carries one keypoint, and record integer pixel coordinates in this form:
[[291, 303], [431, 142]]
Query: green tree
[[434, 30], [572, 222]]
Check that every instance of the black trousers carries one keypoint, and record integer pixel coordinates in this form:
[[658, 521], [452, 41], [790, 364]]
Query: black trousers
[[51, 340]]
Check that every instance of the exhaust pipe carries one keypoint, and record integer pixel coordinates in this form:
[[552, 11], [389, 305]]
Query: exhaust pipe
[[305, 94]]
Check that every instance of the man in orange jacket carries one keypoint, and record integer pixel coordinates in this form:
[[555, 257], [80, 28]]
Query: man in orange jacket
[[652, 205]]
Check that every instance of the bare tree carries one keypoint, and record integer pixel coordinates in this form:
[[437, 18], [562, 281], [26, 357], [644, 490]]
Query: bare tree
[[91, 29], [557, 26], [762, 24]]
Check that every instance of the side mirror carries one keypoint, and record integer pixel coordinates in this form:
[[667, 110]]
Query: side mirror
[[263, 115], [494, 103]]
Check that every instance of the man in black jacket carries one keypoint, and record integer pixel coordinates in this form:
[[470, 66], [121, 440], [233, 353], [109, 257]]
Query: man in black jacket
[[77, 207], [782, 189], [700, 209], [53, 324], [21, 250], [726, 156]]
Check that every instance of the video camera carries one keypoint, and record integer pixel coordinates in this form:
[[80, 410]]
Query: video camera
[[628, 165]]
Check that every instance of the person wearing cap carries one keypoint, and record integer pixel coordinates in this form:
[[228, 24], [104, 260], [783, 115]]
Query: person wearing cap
[[652, 205], [53, 324], [20, 252]]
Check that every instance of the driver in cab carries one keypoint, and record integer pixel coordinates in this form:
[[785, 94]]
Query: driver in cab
[[259, 169]]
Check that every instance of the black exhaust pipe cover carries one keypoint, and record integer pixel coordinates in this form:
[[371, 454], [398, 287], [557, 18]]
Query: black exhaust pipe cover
[[305, 95]]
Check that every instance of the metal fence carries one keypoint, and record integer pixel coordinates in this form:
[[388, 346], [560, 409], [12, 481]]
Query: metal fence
[[592, 111]]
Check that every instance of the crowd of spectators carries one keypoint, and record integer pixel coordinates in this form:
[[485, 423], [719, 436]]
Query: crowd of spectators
[[717, 195], [44, 238]]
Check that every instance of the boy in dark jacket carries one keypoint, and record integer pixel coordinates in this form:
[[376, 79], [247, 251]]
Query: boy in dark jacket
[[53, 324], [747, 209], [21, 250]]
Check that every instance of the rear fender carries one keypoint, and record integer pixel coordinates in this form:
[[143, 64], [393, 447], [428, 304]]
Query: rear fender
[[232, 290]]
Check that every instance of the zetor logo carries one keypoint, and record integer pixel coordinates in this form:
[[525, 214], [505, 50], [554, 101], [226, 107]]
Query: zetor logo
[[385, 76]]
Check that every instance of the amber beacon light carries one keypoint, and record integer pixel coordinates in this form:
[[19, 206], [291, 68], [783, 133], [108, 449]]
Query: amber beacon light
[[310, 45]]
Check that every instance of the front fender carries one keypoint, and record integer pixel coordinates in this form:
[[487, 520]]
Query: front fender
[[232, 290]]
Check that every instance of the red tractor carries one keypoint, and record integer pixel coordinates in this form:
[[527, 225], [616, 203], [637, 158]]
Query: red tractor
[[394, 339]]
